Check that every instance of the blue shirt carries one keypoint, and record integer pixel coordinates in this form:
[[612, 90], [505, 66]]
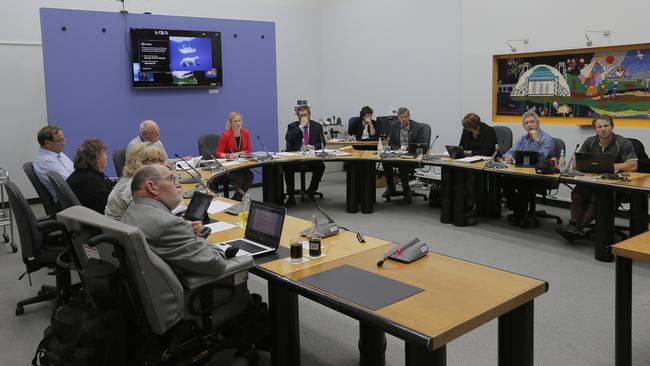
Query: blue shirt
[[46, 161], [545, 145]]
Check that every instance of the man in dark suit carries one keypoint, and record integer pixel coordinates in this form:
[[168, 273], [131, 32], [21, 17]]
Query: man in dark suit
[[308, 135], [406, 135]]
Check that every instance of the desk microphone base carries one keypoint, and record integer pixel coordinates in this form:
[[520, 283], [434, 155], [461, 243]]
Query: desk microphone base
[[412, 253]]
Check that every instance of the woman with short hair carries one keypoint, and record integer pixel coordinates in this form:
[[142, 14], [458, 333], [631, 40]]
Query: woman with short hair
[[88, 181]]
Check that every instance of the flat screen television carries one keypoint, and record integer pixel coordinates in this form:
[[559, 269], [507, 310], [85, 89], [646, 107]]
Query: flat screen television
[[166, 58]]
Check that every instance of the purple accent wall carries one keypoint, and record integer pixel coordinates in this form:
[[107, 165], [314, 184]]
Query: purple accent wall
[[88, 81]]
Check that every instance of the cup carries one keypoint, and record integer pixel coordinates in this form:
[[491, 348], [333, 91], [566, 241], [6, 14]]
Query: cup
[[295, 249], [418, 151]]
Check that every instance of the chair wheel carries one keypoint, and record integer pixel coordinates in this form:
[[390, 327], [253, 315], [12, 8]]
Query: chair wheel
[[388, 199], [558, 221], [6, 237], [14, 248], [425, 199], [20, 310], [41, 292]]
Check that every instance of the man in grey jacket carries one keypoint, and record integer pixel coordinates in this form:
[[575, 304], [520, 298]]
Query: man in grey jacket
[[170, 237]]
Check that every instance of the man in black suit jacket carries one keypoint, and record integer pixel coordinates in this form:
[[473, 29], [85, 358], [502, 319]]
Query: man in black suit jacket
[[309, 134], [405, 135]]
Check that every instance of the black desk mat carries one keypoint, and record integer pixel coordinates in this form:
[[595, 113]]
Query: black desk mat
[[279, 253], [361, 287]]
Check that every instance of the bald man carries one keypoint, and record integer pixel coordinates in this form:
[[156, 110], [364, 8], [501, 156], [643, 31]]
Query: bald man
[[149, 132]]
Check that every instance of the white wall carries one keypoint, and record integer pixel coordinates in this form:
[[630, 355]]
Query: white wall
[[550, 25], [389, 54], [22, 92]]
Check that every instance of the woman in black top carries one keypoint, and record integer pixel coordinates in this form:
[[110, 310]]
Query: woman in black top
[[477, 138], [88, 181], [365, 128]]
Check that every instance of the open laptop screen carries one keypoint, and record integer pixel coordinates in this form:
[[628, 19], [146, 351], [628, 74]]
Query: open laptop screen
[[198, 206], [265, 223]]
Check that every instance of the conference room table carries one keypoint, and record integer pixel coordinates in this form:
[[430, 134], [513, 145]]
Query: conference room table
[[457, 297], [361, 188], [634, 249]]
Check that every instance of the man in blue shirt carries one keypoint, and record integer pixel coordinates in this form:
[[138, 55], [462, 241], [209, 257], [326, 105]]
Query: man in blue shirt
[[51, 157], [518, 190]]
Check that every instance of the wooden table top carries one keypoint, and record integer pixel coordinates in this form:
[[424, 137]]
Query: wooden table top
[[458, 296], [351, 143], [636, 247]]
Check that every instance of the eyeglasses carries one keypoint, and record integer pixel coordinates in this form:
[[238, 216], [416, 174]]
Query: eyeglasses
[[170, 178], [61, 141]]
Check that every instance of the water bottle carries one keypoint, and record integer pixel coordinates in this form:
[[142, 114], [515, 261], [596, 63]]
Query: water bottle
[[562, 161], [242, 216], [314, 237], [380, 147]]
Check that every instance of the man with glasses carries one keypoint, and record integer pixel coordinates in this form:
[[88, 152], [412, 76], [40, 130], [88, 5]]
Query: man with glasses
[[173, 239], [50, 156]]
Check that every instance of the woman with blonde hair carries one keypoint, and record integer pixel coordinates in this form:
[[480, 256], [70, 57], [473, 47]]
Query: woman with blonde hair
[[144, 153], [235, 141]]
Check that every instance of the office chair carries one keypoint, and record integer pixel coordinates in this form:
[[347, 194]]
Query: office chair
[[172, 318], [208, 145], [303, 170], [427, 135], [49, 202], [119, 159], [67, 198], [40, 246], [504, 138]]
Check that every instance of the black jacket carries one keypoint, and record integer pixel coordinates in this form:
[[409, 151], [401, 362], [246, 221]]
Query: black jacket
[[91, 188], [483, 144], [417, 139], [356, 129], [294, 135]]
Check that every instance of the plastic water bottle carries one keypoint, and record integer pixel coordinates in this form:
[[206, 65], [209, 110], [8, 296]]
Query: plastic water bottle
[[314, 237], [380, 146], [242, 216], [561, 164]]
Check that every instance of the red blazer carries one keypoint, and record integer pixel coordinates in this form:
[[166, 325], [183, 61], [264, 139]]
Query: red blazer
[[227, 143]]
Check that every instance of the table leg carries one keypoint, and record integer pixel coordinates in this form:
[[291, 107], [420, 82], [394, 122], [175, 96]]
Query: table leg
[[352, 189], [638, 213], [604, 224], [283, 311], [482, 193], [493, 196], [417, 354], [623, 312], [516, 336], [372, 345], [459, 177], [447, 200], [368, 191], [272, 184]]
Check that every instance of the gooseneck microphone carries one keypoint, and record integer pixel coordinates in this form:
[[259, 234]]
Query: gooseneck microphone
[[266, 150], [567, 170], [198, 180], [327, 229], [398, 250], [428, 156]]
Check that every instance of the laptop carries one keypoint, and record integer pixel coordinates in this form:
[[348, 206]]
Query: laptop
[[263, 230], [455, 152], [526, 158], [594, 162], [197, 210]]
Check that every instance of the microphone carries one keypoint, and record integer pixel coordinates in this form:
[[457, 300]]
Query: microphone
[[217, 164], [197, 180], [428, 155], [322, 153], [397, 250], [567, 170], [266, 150], [493, 164], [329, 228]]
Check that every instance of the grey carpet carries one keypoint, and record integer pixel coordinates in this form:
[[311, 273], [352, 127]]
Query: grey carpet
[[574, 321]]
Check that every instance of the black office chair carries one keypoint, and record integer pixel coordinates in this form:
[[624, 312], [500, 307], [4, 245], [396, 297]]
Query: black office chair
[[208, 145], [119, 159], [67, 198], [175, 318], [504, 138], [40, 245], [427, 135], [49, 203], [303, 170]]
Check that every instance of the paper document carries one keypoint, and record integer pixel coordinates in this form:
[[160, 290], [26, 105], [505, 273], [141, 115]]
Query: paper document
[[220, 226], [231, 163], [469, 159], [179, 208], [192, 162], [288, 153], [218, 206]]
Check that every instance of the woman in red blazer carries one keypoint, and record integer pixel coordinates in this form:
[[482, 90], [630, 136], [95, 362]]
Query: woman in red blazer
[[235, 141]]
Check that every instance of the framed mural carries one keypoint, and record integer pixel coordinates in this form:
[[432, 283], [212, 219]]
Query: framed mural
[[572, 86]]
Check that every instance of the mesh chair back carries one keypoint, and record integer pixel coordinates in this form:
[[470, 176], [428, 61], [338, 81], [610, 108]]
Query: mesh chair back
[[504, 138], [157, 288], [208, 145], [49, 202], [30, 238], [559, 146], [119, 159], [67, 198]]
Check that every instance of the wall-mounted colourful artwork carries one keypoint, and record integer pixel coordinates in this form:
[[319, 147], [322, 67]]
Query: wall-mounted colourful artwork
[[570, 87]]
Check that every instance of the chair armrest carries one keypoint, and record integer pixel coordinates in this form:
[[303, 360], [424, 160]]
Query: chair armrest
[[235, 265]]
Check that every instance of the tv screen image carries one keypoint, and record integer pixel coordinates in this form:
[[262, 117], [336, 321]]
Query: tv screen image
[[175, 58]]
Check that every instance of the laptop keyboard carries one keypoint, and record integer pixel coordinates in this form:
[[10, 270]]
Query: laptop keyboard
[[244, 245]]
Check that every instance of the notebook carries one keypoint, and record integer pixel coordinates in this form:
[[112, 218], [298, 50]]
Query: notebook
[[263, 230], [594, 162]]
